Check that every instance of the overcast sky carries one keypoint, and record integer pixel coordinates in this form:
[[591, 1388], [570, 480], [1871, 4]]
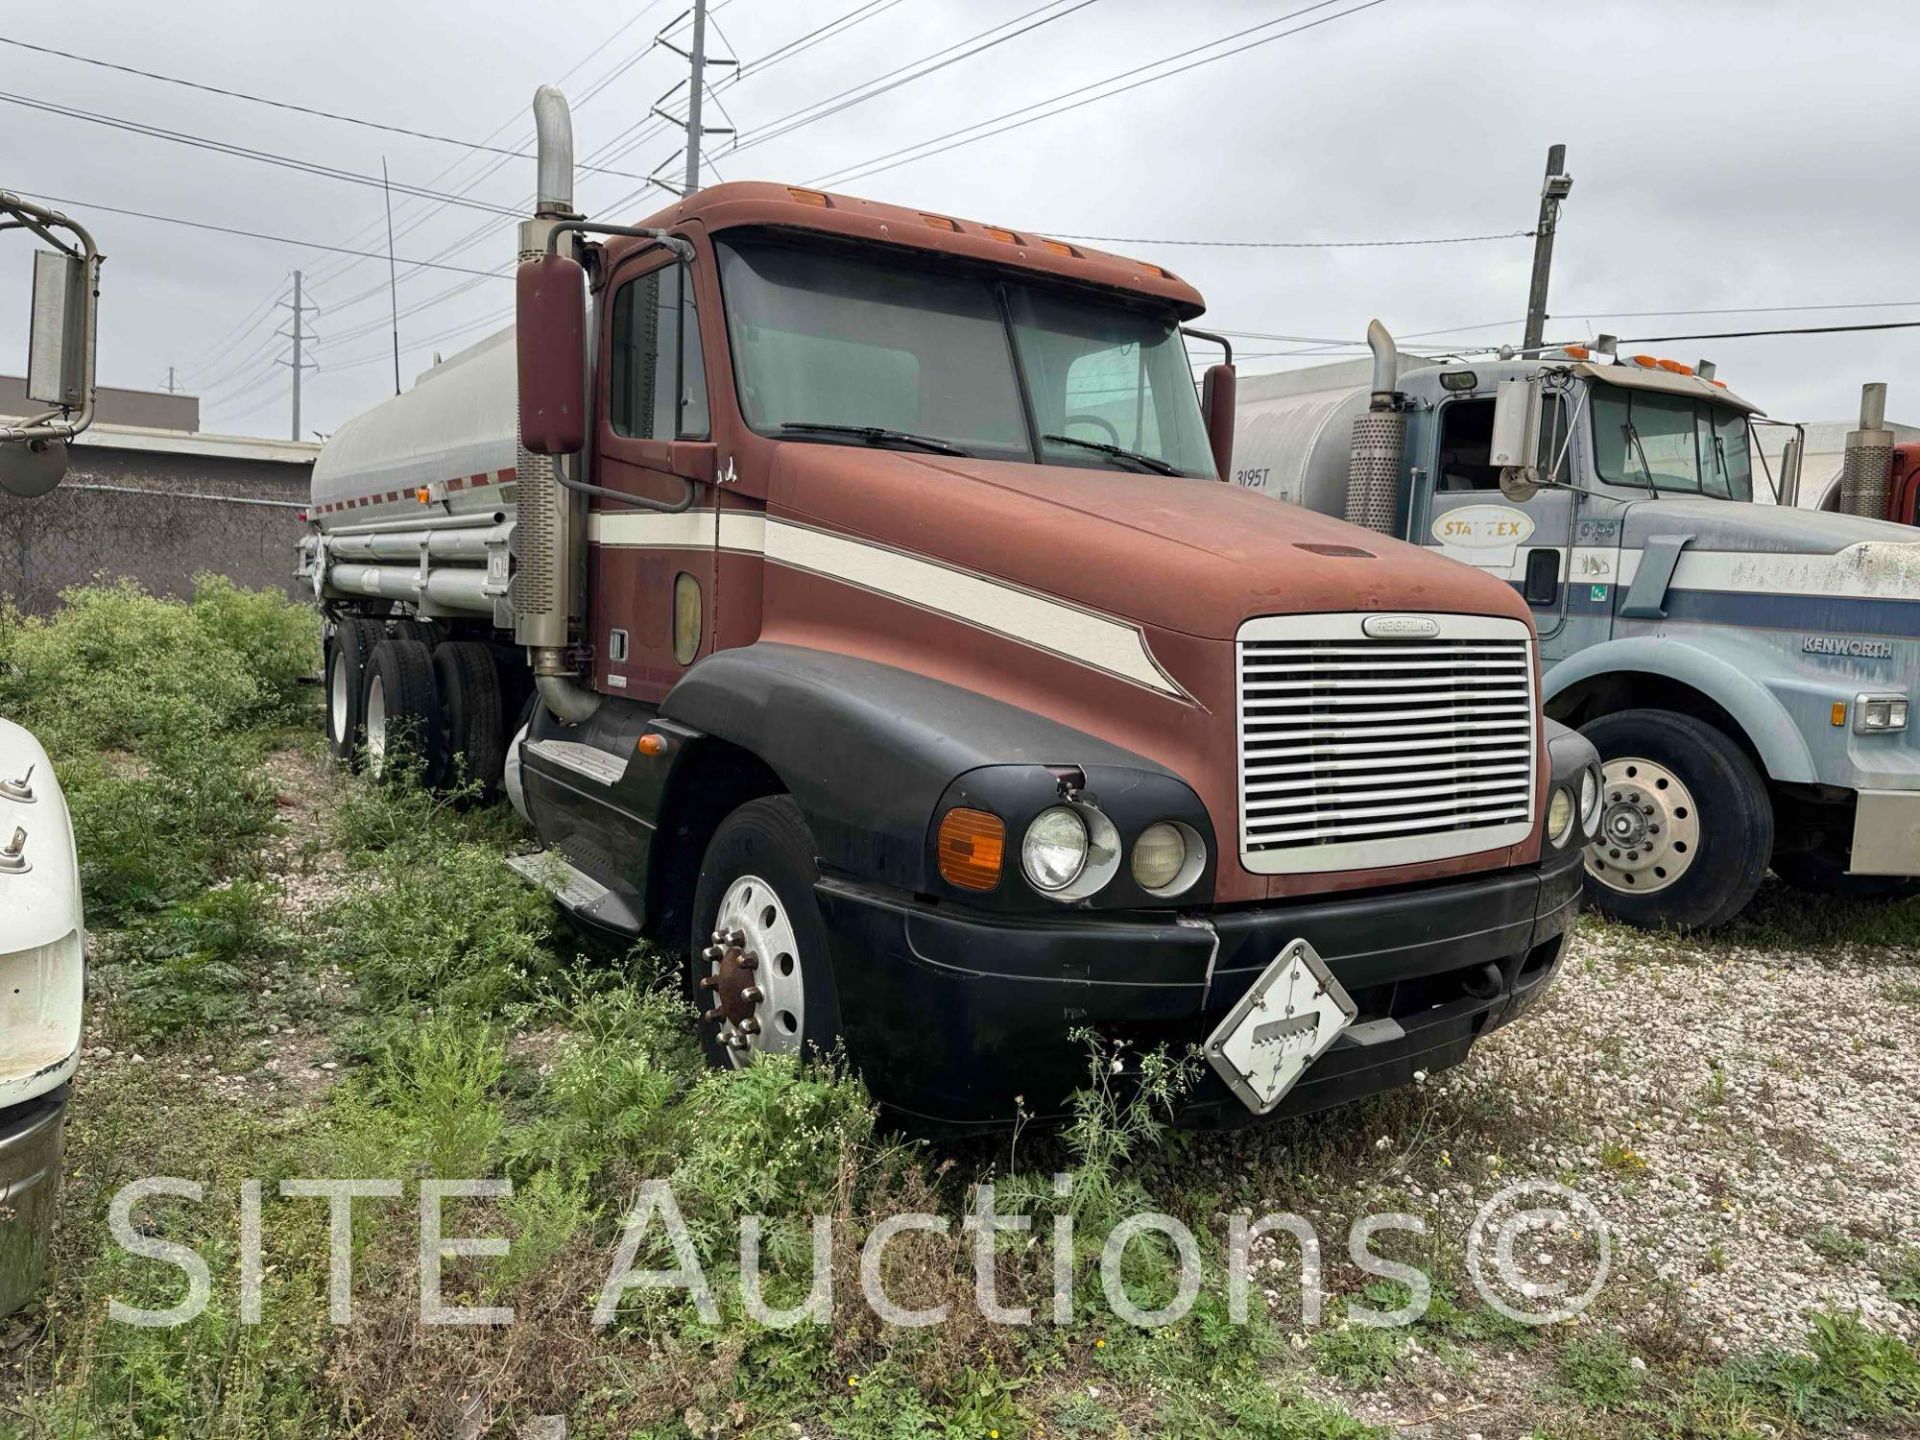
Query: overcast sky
[[1734, 154]]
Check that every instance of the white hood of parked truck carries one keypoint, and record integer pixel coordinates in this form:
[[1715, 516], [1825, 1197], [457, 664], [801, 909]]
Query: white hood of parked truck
[[42, 929]]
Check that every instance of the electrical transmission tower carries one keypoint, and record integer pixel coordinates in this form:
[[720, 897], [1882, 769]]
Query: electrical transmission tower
[[299, 336], [697, 60]]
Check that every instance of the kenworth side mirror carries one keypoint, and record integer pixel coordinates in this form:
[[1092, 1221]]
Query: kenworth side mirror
[[1515, 447]]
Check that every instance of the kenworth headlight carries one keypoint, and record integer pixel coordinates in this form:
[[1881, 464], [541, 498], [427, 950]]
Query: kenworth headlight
[[1167, 858], [1879, 714], [1590, 801]]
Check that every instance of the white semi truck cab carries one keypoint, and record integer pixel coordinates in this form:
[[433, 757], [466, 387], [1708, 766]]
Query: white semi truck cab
[[1746, 670]]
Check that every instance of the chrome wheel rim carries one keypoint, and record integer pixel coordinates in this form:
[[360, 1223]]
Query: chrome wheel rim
[[376, 725], [753, 981], [1649, 828]]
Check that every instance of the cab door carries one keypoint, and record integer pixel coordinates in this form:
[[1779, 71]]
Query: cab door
[[1529, 544], [651, 573]]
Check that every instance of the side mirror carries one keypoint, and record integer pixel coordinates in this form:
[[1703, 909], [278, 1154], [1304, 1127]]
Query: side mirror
[[1515, 446], [1216, 404], [550, 348], [1790, 470], [57, 341]]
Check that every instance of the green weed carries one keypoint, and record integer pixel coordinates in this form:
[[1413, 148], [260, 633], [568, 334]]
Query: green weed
[[1599, 1373]]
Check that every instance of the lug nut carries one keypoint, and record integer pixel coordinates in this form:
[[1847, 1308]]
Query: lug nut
[[749, 1026], [709, 982], [748, 961], [711, 1015], [752, 995], [712, 953]]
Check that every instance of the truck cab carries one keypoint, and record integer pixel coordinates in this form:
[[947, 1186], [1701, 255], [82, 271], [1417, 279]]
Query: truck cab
[[893, 654], [1744, 668]]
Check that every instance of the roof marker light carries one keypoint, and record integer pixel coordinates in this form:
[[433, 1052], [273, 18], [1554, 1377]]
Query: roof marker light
[[809, 197], [941, 222], [1645, 361], [997, 233], [1674, 367], [1578, 352]]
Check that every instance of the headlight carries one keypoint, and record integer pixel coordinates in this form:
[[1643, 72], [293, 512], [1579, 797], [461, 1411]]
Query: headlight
[[1879, 714], [1560, 813], [1055, 850], [1168, 857], [1589, 800]]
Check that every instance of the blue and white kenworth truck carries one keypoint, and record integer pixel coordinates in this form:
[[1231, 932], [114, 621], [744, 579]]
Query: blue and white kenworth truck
[[1745, 669]]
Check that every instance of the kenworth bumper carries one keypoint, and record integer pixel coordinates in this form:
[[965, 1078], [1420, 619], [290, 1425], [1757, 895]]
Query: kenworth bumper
[[32, 1137], [960, 1018]]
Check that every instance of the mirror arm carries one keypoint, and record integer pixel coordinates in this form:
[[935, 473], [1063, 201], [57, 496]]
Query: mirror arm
[[26, 215], [679, 247], [1208, 335]]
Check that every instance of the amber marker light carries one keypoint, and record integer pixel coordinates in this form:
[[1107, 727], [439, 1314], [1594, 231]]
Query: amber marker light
[[808, 197], [1839, 714], [651, 744], [973, 844], [423, 495]]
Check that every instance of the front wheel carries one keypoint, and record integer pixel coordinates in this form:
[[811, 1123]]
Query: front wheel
[[1685, 824], [758, 968]]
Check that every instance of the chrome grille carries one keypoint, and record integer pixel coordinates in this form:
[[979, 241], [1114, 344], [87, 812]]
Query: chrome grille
[[1358, 752]]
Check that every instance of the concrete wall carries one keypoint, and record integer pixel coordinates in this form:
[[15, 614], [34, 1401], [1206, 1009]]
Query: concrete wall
[[114, 406], [158, 517]]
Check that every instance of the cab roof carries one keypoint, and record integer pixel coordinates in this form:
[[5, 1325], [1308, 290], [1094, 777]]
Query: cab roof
[[761, 204]]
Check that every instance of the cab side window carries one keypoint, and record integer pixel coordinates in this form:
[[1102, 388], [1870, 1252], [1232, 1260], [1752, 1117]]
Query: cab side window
[[658, 385]]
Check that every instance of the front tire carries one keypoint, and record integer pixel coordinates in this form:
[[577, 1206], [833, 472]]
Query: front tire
[[1685, 824], [758, 968]]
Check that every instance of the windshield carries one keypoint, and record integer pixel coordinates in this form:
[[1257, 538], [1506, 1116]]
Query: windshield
[[1671, 443], [842, 348]]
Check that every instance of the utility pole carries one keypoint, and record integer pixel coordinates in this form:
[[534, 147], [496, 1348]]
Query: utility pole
[[697, 62], [1558, 185], [170, 380], [696, 87], [393, 277], [299, 336]]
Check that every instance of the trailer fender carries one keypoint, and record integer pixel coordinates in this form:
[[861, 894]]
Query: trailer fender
[[867, 750], [1730, 674]]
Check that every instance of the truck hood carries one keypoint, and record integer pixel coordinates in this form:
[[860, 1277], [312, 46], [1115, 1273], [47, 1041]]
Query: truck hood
[[42, 904], [1771, 529], [1194, 556]]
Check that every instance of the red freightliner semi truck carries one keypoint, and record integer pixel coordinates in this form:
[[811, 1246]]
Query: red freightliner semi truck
[[846, 595]]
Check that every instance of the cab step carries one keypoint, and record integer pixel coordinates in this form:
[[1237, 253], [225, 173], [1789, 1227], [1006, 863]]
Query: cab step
[[591, 761], [578, 892]]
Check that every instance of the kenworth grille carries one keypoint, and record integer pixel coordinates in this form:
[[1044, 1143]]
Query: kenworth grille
[[1375, 740]]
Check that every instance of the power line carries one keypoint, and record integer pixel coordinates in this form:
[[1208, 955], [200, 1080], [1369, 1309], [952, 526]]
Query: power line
[[1296, 244], [1756, 334], [255, 234], [956, 138], [894, 79], [476, 145]]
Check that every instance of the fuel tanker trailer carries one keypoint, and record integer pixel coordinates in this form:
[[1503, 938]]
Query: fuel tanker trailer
[[848, 597]]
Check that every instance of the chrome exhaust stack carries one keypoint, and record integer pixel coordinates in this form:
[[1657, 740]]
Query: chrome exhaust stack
[[1866, 466], [1379, 438], [550, 561]]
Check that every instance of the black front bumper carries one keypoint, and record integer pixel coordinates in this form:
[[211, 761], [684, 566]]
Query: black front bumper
[[959, 1018]]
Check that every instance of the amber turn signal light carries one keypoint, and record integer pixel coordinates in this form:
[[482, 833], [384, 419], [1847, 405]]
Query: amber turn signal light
[[972, 845]]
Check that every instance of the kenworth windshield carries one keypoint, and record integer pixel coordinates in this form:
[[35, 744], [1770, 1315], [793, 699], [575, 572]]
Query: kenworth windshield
[[847, 349], [1671, 442]]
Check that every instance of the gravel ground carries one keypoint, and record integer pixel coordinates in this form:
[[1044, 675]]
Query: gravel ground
[[1745, 1117], [1738, 1104]]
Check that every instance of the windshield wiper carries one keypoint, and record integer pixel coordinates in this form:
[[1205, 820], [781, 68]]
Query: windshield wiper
[[876, 435], [1151, 462], [1633, 438]]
